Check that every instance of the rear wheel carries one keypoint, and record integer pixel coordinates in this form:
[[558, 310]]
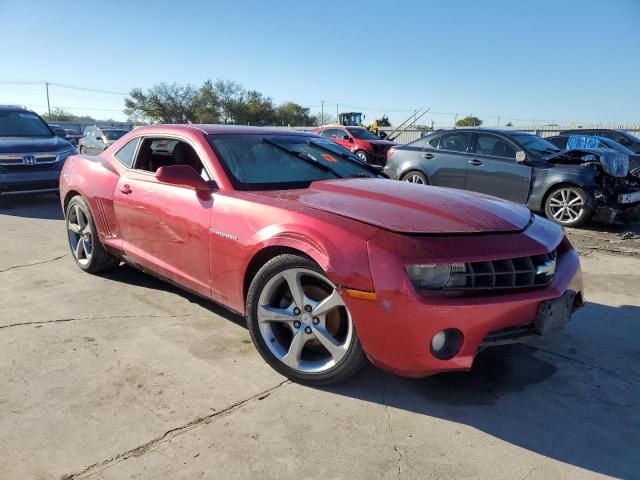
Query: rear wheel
[[85, 245], [300, 324], [415, 176], [568, 206]]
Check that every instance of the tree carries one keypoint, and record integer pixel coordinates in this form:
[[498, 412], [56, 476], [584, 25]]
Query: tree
[[230, 98], [165, 103], [318, 119], [469, 121], [384, 121], [291, 113], [256, 109], [208, 110], [59, 114]]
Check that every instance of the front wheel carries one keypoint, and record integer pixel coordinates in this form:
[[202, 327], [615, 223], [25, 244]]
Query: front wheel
[[568, 206], [86, 248], [364, 156], [300, 324]]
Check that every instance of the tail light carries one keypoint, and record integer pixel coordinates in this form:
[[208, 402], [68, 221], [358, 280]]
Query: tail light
[[390, 153]]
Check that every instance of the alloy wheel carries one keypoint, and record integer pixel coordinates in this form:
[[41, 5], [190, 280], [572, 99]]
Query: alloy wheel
[[566, 205], [303, 320], [414, 178], [80, 236]]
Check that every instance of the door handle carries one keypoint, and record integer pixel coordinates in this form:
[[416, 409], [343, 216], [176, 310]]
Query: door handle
[[126, 189], [475, 162], [428, 156]]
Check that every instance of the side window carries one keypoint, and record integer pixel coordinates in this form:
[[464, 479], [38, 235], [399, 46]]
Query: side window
[[326, 133], [126, 153], [164, 152], [340, 134], [494, 146], [456, 142], [435, 142]]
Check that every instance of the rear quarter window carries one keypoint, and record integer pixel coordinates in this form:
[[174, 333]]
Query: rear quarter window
[[125, 154]]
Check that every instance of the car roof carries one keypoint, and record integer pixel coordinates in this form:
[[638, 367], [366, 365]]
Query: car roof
[[221, 129], [499, 131], [14, 108]]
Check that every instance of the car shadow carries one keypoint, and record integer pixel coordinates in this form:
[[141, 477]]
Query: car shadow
[[572, 397], [132, 276], [46, 207], [549, 399]]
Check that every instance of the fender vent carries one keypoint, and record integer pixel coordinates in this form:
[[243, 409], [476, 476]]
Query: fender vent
[[101, 220]]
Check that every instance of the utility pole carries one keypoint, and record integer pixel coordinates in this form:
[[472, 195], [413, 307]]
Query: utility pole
[[498, 121], [455, 119], [48, 104], [337, 116], [321, 112]]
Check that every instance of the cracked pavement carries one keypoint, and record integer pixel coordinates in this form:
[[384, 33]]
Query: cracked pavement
[[122, 376]]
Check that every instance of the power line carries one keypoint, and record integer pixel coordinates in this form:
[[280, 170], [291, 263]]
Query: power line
[[62, 85]]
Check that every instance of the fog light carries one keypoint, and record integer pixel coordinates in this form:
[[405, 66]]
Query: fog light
[[446, 343]]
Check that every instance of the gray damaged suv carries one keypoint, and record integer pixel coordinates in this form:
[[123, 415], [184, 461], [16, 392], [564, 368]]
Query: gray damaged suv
[[31, 153], [97, 139], [571, 187]]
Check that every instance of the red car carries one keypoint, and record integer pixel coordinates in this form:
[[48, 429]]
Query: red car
[[358, 140], [330, 265]]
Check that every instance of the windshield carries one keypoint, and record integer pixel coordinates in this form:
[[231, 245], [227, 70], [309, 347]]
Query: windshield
[[535, 145], [22, 124], [362, 134], [273, 162], [631, 136], [113, 134]]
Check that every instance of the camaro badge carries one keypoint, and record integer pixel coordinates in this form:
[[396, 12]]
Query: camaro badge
[[547, 269]]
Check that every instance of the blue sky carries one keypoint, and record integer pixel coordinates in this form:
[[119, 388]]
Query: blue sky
[[562, 61]]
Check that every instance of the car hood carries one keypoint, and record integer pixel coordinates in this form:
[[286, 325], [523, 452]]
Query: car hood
[[33, 144], [387, 143], [408, 208], [613, 162]]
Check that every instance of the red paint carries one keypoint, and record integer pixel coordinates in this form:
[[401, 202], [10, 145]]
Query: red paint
[[352, 228], [377, 150]]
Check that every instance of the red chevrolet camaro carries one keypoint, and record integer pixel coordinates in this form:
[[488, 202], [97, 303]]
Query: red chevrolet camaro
[[330, 263]]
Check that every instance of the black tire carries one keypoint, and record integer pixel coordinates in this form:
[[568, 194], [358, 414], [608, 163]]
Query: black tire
[[81, 150], [99, 260], [352, 361], [415, 176], [364, 156], [555, 203]]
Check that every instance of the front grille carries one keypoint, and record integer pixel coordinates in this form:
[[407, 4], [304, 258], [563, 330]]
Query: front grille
[[508, 273], [15, 162]]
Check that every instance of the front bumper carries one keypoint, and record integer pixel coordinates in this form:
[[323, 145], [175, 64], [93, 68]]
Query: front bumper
[[30, 181], [396, 329]]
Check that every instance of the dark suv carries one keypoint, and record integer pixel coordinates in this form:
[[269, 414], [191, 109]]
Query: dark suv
[[31, 153], [625, 139]]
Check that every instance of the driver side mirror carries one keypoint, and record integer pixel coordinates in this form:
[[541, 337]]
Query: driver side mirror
[[347, 138], [183, 175], [520, 156]]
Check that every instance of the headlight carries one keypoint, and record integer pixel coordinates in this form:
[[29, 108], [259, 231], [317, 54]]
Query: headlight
[[435, 276], [62, 156]]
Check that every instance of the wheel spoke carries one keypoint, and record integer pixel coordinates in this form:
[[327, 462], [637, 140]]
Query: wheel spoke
[[556, 202], [75, 228], [79, 248], [267, 313], [86, 246], [325, 306], [335, 349], [80, 217], [292, 358], [558, 214], [292, 278], [576, 201]]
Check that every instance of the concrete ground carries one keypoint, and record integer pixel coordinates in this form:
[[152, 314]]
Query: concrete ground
[[121, 376]]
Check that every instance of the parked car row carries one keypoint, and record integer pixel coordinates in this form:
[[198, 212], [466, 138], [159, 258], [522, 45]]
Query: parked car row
[[571, 187], [332, 264]]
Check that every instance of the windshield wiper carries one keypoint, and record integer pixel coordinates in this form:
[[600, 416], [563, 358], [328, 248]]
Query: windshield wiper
[[304, 157]]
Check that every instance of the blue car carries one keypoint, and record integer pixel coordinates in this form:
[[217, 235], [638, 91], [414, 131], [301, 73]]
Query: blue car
[[31, 153]]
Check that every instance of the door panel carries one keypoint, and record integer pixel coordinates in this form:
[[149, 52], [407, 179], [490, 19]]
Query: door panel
[[446, 165], [165, 228], [495, 175]]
